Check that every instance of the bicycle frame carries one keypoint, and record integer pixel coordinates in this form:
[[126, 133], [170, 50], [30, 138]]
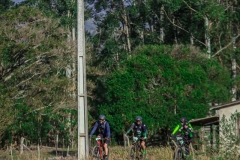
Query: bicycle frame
[[100, 144]]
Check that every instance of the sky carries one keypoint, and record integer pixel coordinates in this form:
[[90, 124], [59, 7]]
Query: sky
[[89, 26], [17, 1]]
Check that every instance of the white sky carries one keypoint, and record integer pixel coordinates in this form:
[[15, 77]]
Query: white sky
[[17, 1], [89, 26]]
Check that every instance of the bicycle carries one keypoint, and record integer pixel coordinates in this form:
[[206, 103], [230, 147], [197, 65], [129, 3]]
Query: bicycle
[[98, 150], [180, 150], [136, 149]]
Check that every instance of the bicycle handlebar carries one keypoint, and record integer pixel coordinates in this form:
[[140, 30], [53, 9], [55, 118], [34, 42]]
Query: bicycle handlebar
[[99, 138]]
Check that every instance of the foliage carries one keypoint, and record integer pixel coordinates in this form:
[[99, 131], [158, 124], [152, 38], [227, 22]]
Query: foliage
[[162, 84], [229, 139], [33, 55], [4, 5]]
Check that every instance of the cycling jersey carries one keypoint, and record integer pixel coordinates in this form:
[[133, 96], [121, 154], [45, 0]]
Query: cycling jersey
[[139, 130], [187, 133], [102, 129]]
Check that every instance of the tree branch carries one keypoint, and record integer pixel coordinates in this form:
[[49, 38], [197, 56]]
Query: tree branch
[[27, 79], [219, 51], [183, 29], [193, 9]]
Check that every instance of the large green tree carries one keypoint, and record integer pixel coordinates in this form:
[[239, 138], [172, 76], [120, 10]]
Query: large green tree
[[163, 83]]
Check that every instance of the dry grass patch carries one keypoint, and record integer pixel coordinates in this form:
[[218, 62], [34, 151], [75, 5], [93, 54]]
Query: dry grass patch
[[116, 153]]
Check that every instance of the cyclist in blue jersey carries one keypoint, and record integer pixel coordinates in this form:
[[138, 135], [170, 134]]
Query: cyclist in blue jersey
[[103, 130]]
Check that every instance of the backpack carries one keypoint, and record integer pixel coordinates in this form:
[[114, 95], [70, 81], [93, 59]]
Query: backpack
[[100, 129]]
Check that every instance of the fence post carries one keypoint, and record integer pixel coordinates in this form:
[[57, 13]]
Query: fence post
[[125, 140], [57, 145], [39, 153], [11, 152]]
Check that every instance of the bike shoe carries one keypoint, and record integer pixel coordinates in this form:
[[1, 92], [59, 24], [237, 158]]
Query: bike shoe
[[105, 157]]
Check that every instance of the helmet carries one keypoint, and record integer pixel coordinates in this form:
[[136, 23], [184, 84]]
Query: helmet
[[138, 118], [183, 120], [102, 117]]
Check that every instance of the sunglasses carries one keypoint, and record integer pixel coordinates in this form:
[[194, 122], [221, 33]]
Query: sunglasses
[[101, 119]]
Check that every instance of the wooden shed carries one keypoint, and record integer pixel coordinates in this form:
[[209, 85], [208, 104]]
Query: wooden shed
[[210, 130]]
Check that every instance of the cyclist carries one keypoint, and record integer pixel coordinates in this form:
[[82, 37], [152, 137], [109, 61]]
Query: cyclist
[[103, 131], [187, 134], [140, 129], [179, 127]]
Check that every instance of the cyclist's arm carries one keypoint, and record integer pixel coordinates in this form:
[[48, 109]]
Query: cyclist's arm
[[176, 129], [107, 130], [144, 130], [94, 129], [191, 134], [132, 126], [190, 126]]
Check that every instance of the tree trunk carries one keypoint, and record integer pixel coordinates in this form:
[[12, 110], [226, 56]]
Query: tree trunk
[[161, 24], [126, 27], [234, 63], [175, 31], [207, 37]]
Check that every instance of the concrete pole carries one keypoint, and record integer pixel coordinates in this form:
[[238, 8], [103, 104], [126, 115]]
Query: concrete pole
[[83, 148]]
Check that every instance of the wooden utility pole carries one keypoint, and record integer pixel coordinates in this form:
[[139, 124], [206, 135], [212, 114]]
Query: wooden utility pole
[[83, 148]]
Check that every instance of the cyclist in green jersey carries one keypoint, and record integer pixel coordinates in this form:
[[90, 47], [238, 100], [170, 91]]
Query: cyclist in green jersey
[[188, 136], [179, 127], [140, 130]]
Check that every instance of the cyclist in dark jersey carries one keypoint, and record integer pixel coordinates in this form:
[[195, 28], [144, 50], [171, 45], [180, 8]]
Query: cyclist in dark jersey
[[103, 131], [140, 130]]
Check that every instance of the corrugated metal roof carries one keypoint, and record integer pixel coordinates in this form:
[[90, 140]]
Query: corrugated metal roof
[[225, 105], [205, 121]]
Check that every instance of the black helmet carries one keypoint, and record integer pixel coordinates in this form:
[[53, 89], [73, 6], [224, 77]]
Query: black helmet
[[102, 117], [138, 118], [183, 120]]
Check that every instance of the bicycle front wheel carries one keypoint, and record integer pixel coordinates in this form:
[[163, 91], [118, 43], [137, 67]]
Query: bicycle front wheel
[[97, 152], [178, 154], [132, 153]]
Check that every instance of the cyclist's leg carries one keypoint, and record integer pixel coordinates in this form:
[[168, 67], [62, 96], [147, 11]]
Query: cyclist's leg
[[186, 145], [143, 145], [106, 142]]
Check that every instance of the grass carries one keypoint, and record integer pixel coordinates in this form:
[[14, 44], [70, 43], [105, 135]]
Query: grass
[[116, 153]]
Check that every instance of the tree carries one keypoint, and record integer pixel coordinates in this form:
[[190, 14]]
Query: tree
[[5, 4], [163, 84], [33, 54]]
